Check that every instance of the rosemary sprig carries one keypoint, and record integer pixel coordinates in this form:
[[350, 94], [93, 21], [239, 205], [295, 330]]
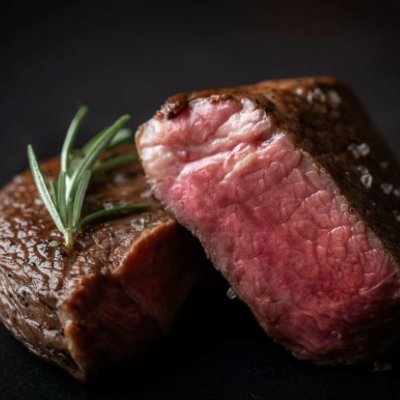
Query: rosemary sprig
[[115, 162], [64, 197]]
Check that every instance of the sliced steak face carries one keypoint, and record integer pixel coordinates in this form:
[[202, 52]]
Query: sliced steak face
[[295, 198], [119, 289]]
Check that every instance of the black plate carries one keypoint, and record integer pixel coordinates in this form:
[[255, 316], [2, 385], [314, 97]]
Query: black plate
[[120, 57]]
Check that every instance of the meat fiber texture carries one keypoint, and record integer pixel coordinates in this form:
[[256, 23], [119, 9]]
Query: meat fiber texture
[[109, 299], [295, 198]]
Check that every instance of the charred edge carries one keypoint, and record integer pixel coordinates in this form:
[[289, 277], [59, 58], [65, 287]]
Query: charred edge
[[172, 107]]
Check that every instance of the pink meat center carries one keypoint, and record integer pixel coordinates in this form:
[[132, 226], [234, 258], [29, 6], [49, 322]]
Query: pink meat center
[[272, 220]]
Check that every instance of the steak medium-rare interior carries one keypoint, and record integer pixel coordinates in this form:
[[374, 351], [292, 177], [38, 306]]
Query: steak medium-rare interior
[[296, 199], [106, 301]]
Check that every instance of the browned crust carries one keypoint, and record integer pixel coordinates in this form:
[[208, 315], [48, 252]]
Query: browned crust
[[134, 303], [326, 118], [159, 268], [264, 93], [103, 326], [48, 295]]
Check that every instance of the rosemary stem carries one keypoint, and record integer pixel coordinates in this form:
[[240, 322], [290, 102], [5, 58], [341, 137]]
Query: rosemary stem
[[64, 197], [69, 239]]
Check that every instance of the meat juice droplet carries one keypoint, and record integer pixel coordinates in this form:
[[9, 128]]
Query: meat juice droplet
[[396, 214], [231, 294]]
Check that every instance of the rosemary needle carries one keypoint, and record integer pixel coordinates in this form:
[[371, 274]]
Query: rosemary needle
[[64, 197]]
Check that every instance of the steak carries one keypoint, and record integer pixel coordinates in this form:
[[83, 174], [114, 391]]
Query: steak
[[113, 295], [296, 200]]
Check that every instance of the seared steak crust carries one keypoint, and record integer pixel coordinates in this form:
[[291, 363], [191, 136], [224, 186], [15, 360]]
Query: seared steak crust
[[107, 300]]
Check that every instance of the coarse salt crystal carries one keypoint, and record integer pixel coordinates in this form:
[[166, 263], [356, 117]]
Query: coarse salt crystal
[[366, 180], [387, 187], [319, 95], [396, 192], [358, 150], [363, 149], [299, 91], [354, 150], [333, 98], [364, 170], [316, 94], [146, 194]]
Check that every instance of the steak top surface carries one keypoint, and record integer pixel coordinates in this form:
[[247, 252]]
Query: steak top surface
[[107, 299]]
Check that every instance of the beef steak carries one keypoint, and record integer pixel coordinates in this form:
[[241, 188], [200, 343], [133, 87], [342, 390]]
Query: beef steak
[[296, 200], [113, 295]]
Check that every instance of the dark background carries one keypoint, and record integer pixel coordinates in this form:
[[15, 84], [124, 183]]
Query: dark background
[[122, 57]]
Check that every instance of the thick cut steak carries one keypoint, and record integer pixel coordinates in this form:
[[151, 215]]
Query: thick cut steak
[[113, 295], [296, 200]]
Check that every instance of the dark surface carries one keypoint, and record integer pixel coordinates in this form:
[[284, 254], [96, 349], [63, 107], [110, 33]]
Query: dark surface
[[119, 57]]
